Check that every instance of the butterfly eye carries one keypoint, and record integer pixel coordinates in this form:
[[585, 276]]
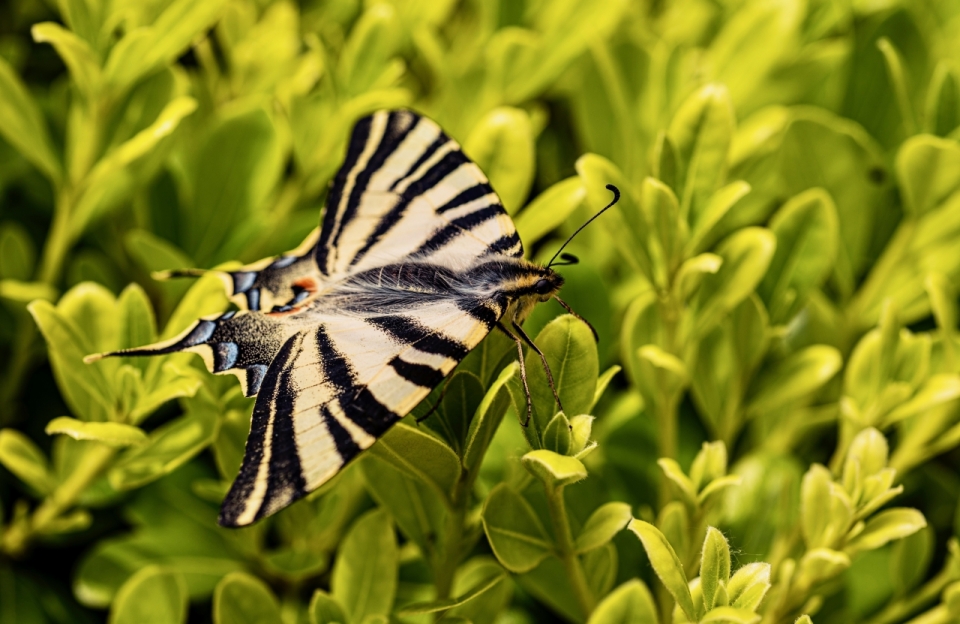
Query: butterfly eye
[[542, 287]]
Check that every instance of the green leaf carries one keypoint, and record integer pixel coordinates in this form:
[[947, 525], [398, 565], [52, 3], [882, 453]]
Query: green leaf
[[672, 471], [462, 394], [572, 355], [110, 180], [749, 585], [154, 595], [364, 577], [26, 461], [928, 169], [549, 209], [22, 124], [630, 603], [898, 79], [167, 448], [513, 530], [746, 256], [18, 255], [365, 58], [144, 49], [602, 382], [750, 44], [324, 609], [625, 223], [795, 378], [804, 619], [230, 190], [502, 145], [485, 584], [668, 231], [704, 233], [910, 560], [602, 525], [730, 615], [885, 527], [555, 471], [709, 464], [702, 130], [244, 599], [942, 110], [821, 564], [85, 388], [807, 235], [76, 53], [714, 566], [206, 296], [138, 326], [869, 450], [557, 435], [487, 418], [666, 564], [825, 511], [416, 507], [421, 456], [600, 568], [111, 434]]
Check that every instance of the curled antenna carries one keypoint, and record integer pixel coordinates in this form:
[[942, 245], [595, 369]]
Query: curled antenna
[[571, 259]]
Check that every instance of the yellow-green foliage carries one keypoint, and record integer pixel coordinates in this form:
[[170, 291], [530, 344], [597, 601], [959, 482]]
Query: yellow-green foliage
[[773, 409]]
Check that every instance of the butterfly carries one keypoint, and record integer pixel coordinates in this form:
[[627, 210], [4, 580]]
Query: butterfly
[[414, 263]]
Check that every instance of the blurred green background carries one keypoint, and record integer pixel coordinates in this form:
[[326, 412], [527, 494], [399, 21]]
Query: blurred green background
[[776, 298]]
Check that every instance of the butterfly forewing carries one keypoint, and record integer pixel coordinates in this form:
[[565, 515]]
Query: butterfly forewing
[[406, 190]]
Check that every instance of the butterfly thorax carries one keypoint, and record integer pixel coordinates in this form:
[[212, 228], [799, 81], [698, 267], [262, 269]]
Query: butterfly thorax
[[513, 286]]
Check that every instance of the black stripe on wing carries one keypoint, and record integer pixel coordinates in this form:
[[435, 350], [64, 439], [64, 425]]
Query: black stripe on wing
[[260, 441], [449, 163], [398, 125], [457, 227], [328, 228], [356, 401], [420, 337]]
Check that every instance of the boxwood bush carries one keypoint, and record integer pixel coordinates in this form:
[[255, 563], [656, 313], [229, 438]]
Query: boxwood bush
[[766, 431]]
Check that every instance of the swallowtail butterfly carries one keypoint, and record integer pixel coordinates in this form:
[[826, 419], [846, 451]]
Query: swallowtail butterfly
[[415, 261]]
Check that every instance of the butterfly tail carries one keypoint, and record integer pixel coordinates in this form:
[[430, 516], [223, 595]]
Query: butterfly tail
[[240, 344]]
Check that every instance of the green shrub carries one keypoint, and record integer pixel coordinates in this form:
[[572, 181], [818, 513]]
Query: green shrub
[[778, 283]]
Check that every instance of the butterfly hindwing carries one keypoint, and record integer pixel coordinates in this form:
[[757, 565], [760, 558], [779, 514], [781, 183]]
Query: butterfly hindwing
[[334, 389], [243, 344], [276, 282]]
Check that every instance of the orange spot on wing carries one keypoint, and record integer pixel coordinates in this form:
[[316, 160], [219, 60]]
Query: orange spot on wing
[[307, 283]]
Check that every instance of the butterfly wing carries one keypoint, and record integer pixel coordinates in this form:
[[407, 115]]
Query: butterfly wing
[[407, 190], [333, 389]]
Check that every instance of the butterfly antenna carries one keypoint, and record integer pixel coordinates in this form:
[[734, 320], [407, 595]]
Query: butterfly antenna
[[571, 259]]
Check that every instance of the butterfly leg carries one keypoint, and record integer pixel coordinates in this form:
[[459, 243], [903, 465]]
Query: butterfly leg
[[523, 372], [566, 306], [543, 359]]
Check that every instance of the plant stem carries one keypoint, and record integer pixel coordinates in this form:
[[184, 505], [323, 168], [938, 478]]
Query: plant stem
[[916, 600], [18, 536], [19, 363], [567, 550], [58, 241], [447, 567]]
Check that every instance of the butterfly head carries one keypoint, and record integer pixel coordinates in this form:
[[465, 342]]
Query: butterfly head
[[540, 284]]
